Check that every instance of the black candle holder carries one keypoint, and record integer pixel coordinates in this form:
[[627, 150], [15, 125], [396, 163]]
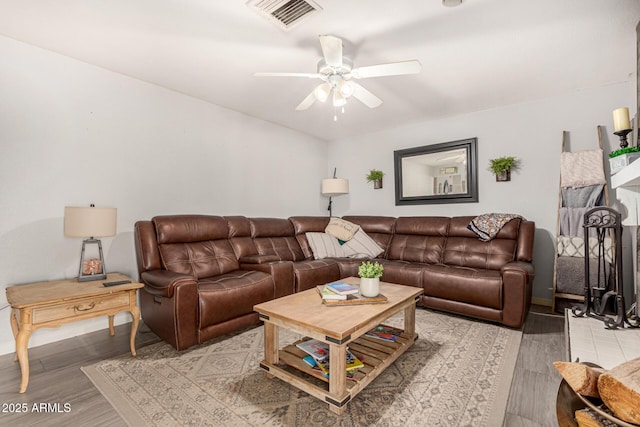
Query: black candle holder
[[623, 137]]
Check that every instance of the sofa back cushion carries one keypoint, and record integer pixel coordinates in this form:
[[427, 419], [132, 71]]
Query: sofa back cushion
[[379, 228], [275, 236], [196, 245], [463, 248], [308, 224], [419, 239], [240, 236]]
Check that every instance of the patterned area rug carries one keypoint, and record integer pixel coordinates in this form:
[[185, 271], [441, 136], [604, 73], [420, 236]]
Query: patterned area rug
[[458, 373]]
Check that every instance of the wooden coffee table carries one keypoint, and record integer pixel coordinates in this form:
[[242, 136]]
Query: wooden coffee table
[[339, 326]]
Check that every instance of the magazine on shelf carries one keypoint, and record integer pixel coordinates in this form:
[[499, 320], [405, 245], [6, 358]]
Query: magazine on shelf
[[353, 364], [318, 349], [342, 288], [385, 333], [328, 294]]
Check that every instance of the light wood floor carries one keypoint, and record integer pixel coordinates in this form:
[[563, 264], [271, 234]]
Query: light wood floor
[[56, 377]]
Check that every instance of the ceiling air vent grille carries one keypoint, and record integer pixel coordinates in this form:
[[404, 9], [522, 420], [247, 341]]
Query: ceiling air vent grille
[[286, 14]]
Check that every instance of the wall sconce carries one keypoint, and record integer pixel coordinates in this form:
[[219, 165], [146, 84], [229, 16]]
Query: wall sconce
[[90, 222], [334, 187], [622, 125]]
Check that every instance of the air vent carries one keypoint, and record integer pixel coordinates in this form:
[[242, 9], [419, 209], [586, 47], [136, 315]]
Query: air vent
[[286, 14]]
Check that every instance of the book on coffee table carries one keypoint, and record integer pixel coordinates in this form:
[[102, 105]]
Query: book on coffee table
[[328, 294], [342, 288]]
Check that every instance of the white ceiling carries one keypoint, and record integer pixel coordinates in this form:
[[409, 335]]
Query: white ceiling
[[480, 55]]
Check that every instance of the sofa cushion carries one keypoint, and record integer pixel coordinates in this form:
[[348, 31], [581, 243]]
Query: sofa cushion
[[403, 273], [275, 236], [361, 245], [199, 259], [233, 294], [379, 228], [190, 228], [465, 250], [308, 274], [419, 239], [324, 245], [341, 229], [469, 285]]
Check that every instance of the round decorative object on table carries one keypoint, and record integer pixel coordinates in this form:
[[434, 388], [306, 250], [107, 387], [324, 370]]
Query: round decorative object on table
[[369, 287]]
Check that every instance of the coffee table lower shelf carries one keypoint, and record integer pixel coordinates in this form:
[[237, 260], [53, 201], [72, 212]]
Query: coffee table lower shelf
[[375, 354]]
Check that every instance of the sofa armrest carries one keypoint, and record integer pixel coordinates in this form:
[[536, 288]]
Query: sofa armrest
[[517, 278], [281, 271], [258, 259], [524, 267], [163, 282]]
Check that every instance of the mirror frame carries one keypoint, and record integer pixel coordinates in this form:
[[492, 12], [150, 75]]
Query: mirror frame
[[471, 196]]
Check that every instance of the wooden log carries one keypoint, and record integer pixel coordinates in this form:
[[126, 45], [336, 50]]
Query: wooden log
[[587, 417], [581, 378], [620, 390]]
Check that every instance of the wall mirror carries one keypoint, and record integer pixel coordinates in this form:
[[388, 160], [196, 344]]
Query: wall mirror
[[439, 173]]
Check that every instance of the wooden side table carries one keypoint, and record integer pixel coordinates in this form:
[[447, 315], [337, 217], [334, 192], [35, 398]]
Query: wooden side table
[[54, 303]]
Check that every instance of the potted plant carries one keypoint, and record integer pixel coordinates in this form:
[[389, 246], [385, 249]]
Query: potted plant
[[501, 167], [375, 176], [370, 273]]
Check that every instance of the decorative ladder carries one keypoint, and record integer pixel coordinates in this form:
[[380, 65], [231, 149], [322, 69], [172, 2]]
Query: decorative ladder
[[565, 297]]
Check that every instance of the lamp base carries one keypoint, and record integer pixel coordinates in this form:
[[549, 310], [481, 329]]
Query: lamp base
[[98, 275]]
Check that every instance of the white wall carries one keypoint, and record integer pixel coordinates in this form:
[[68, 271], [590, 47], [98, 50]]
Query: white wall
[[531, 132], [75, 134]]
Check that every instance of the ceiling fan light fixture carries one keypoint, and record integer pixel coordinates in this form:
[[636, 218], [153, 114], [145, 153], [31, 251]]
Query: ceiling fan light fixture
[[322, 92], [338, 99], [345, 88]]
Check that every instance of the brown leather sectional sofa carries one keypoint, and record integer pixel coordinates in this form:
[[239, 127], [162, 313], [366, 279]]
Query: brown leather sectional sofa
[[203, 274]]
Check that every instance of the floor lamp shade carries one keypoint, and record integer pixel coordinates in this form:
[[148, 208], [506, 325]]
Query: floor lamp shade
[[335, 186], [90, 222]]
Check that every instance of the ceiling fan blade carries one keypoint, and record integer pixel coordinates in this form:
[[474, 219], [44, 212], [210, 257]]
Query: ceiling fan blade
[[389, 69], [309, 75], [332, 50], [307, 102], [366, 97]]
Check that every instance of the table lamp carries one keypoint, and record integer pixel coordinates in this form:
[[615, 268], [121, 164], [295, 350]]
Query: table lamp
[[90, 222]]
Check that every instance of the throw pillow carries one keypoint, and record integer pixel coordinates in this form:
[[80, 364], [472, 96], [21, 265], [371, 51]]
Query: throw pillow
[[341, 229], [324, 245], [361, 245]]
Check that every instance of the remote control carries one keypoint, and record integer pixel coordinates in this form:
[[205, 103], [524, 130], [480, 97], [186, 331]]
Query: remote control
[[119, 282]]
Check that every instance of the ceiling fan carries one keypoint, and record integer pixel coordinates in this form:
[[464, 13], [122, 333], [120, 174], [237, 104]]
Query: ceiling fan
[[337, 74]]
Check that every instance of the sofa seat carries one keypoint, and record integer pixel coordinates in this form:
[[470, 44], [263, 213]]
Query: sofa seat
[[233, 294], [474, 286], [404, 272], [313, 272]]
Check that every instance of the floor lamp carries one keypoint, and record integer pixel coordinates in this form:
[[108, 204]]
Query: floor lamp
[[334, 187]]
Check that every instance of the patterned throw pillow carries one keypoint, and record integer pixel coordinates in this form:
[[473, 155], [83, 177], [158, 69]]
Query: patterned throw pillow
[[324, 245], [341, 229], [361, 245]]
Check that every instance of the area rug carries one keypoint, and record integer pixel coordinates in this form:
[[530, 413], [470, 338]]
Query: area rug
[[458, 373]]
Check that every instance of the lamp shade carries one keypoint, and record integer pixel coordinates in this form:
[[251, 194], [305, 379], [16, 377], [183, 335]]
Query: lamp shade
[[84, 221], [335, 186]]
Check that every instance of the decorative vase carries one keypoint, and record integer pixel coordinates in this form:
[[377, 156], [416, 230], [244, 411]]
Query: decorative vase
[[369, 287], [377, 183]]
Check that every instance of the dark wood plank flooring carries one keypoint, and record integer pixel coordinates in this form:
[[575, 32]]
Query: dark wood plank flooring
[[56, 377]]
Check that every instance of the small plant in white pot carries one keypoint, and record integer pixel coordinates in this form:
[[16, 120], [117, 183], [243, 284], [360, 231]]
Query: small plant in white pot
[[370, 273]]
